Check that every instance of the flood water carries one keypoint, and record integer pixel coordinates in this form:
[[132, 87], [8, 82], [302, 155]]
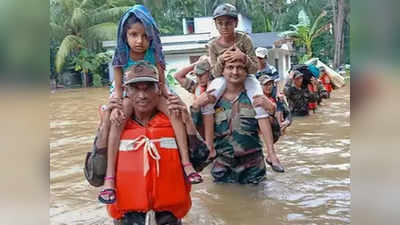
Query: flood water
[[315, 189]]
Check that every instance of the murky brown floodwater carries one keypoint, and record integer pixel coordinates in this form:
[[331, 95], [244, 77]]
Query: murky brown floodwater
[[315, 189]]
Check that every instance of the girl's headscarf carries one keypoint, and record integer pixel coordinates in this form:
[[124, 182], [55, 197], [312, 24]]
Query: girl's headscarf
[[121, 53]]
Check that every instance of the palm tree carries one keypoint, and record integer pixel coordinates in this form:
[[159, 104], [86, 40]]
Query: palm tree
[[305, 32], [80, 24]]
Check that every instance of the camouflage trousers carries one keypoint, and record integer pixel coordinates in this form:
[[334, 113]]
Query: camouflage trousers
[[247, 169], [137, 218]]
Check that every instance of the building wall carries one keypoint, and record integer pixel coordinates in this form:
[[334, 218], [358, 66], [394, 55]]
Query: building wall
[[283, 58], [204, 25], [178, 61], [244, 24], [207, 25]]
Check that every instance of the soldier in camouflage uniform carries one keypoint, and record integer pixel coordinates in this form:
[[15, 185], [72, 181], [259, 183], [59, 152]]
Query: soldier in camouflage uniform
[[231, 45], [238, 145], [239, 149], [298, 98], [322, 92], [202, 70]]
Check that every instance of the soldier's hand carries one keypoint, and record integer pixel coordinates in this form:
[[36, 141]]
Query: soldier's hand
[[263, 102], [178, 107], [204, 99]]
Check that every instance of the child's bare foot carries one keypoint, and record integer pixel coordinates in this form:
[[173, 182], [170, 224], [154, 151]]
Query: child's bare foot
[[274, 162], [108, 195], [192, 176]]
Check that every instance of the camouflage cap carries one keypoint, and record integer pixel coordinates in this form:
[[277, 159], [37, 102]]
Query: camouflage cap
[[202, 67], [141, 72], [225, 10], [265, 79]]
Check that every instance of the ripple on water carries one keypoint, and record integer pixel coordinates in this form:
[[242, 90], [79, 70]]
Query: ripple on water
[[322, 150], [313, 190], [295, 216], [330, 122]]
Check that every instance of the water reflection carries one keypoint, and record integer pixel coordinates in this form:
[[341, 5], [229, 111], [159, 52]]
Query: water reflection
[[313, 190]]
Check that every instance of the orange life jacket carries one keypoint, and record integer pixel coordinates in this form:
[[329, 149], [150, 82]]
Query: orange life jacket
[[326, 82], [312, 105], [144, 183]]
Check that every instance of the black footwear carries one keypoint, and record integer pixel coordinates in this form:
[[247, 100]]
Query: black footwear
[[277, 168], [110, 192]]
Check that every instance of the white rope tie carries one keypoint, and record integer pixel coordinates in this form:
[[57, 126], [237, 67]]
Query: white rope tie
[[148, 149], [151, 218]]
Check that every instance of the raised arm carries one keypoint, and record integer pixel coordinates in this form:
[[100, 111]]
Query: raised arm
[[180, 75]]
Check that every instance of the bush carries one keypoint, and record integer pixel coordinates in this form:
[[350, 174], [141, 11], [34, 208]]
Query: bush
[[97, 80], [170, 77]]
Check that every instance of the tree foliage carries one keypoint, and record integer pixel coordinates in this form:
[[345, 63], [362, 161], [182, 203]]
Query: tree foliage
[[305, 31], [78, 24]]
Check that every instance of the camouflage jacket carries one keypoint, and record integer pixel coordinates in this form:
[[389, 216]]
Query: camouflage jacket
[[322, 92], [298, 99], [190, 85], [237, 142], [243, 42]]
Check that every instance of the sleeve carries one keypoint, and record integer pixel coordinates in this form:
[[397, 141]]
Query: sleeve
[[189, 85], [322, 91], [248, 49], [198, 152], [216, 62], [287, 91], [311, 96]]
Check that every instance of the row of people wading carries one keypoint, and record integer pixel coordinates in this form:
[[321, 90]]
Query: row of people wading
[[156, 148]]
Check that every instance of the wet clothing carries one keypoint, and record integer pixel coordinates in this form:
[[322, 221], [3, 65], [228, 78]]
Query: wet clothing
[[138, 218], [322, 92], [298, 99], [326, 81], [282, 106], [237, 143], [243, 42], [312, 105], [148, 171]]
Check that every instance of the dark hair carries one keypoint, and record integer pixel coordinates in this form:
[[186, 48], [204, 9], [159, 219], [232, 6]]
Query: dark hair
[[128, 23]]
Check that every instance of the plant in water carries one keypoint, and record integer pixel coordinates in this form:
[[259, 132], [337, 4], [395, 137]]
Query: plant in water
[[170, 77]]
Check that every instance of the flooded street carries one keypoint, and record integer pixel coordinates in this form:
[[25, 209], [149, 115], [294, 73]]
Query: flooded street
[[315, 189]]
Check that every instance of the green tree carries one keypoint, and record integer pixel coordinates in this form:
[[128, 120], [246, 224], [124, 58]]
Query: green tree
[[88, 62], [80, 24], [305, 32]]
